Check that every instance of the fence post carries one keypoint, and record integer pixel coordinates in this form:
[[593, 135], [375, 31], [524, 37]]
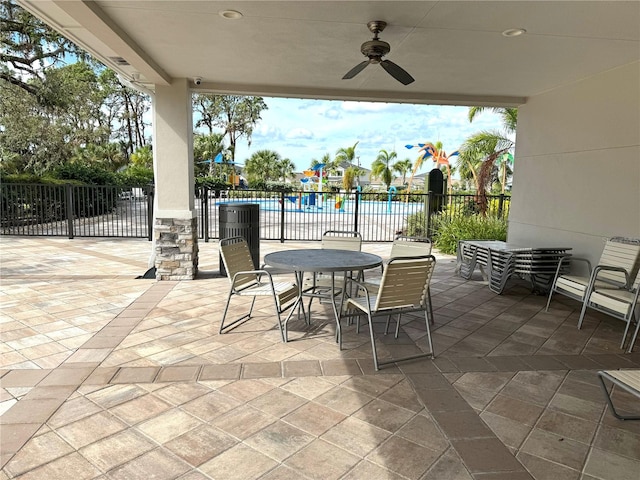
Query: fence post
[[500, 205], [150, 195], [356, 211], [428, 214], [204, 212], [69, 195], [282, 217]]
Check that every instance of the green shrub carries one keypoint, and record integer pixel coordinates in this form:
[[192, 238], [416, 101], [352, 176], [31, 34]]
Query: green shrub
[[89, 175], [474, 227], [417, 225]]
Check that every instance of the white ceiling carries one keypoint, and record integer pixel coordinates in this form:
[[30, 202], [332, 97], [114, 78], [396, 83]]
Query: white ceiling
[[454, 49]]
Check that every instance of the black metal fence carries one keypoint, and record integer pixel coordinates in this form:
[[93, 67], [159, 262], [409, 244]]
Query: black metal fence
[[108, 211]]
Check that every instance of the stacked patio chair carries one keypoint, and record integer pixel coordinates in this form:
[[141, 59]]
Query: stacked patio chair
[[403, 289], [620, 256], [246, 280]]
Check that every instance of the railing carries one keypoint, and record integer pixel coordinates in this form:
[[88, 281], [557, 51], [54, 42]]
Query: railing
[[108, 211], [76, 211]]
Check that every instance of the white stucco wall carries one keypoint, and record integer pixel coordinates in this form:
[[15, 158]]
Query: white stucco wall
[[577, 170]]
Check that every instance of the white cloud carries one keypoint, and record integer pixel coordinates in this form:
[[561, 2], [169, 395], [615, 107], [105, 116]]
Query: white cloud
[[364, 107], [299, 133], [306, 129]]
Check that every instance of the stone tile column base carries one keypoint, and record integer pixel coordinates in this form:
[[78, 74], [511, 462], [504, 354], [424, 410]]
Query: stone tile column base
[[176, 248]]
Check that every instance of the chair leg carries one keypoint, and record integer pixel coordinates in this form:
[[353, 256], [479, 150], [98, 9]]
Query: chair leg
[[244, 317], [397, 332], [430, 306], [610, 402], [373, 342], [226, 309], [626, 330], [583, 312], [549, 299], [426, 322], [278, 311], [635, 334], [386, 325]]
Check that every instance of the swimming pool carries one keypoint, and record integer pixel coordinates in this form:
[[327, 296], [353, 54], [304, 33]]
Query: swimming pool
[[333, 205]]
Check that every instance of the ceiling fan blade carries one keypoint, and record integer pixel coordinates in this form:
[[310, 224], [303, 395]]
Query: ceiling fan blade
[[355, 70], [397, 72]]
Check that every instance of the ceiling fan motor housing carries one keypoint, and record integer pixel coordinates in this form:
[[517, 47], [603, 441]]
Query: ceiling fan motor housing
[[375, 48]]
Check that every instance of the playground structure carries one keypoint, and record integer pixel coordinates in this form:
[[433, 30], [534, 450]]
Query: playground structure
[[437, 154], [312, 191]]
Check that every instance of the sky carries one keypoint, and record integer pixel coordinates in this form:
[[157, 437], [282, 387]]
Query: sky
[[303, 130]]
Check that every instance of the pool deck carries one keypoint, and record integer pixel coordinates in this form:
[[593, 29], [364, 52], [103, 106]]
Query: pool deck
[[105, 376]]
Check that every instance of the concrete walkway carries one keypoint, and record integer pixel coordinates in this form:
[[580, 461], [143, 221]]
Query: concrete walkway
[[109, 377]]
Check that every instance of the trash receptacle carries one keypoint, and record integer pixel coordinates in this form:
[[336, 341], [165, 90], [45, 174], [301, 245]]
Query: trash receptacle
[[240, 220]]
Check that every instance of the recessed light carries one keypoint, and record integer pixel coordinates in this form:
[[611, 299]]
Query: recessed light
[[230, 14], [513, 32]]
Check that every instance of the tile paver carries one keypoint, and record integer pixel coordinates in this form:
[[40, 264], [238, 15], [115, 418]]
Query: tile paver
[[106, 375]]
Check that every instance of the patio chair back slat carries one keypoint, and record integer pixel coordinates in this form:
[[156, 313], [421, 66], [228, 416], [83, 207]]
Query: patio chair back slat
[[237, 258], [342, 240], [410, 247], [619, 254], [404, 283]]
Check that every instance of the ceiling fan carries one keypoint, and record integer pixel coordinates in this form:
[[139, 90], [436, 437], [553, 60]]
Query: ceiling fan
[[375, 49]]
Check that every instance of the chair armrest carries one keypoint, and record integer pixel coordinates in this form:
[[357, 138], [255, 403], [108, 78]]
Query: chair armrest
[[611, 268], [567, 257], [360, 285], [274, 270], [258, 273]]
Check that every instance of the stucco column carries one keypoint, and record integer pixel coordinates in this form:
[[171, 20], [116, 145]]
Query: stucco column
[[175, 228]]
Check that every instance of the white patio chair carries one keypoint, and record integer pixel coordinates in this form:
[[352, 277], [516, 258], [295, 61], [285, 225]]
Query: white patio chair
[[619, 252], [247, 281], [406, 246], [403, 289], [620, 303], [628, 380], [337, 240]]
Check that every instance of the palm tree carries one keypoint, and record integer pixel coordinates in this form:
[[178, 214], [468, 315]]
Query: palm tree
[[469, 162], [329, 165], [286, 168], [403, 167], [206, 148], [491, 146], [349, 177], [381, 167], [264, 165], [347, 154]]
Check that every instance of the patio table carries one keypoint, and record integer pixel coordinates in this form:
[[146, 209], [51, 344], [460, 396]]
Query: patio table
[[312, 260], [504, 259]]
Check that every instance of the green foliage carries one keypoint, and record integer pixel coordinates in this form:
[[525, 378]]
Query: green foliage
[[86, 174], [266, 166], [349, 178], [269, 186], [212, 183], [235, 115], [381, 167], [29, 49], [135, 176], [142, 157], [473, 227], [205, 150], [31, 178]]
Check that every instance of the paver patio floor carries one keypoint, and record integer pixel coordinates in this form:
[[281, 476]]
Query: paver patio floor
[[107, 376]]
